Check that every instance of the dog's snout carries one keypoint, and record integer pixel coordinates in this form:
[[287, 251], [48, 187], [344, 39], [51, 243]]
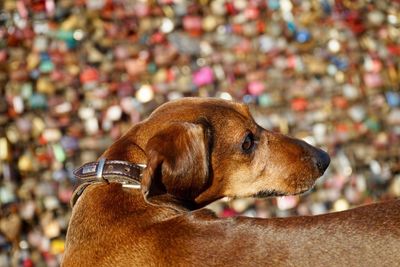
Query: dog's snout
[[323, 160], [296, 148]]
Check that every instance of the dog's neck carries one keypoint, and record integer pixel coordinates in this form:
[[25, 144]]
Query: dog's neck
[[129, 147], [107, 171], [128, 175]]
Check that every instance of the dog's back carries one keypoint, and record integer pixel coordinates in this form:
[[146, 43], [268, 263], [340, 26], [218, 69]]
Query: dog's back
[[366, 236], [199, 150]]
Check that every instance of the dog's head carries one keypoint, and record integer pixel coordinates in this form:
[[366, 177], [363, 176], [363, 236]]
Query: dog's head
[[202, 149]]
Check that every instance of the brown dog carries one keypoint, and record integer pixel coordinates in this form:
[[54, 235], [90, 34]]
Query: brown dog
[[198, 150]]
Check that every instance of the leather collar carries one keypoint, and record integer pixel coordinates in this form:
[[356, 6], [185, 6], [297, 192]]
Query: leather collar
[[107, 171]]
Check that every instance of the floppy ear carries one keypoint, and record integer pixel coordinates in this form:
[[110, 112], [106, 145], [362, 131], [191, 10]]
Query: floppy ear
[[178, 163]]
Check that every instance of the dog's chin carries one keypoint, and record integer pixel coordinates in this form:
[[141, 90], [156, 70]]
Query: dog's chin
[[303, 191]]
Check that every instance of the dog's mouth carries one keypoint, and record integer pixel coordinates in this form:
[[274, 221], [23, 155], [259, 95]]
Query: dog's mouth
[[277, 193], [269, 193]]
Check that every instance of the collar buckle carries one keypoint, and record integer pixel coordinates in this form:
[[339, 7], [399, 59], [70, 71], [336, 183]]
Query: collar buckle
[[100, 168]]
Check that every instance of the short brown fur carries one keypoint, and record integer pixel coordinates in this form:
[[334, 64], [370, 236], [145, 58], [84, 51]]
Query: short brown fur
[[194, 155]]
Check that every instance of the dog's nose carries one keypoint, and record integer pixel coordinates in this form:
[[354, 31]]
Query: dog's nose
[[323, 160]]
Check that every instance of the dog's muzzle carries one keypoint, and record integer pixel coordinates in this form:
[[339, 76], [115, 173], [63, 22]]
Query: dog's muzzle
[[107, 171]]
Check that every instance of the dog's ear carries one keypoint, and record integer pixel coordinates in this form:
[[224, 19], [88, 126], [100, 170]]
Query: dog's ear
[[178, 163]]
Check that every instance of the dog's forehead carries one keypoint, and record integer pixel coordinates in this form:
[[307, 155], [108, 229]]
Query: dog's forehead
[[230, 107], [203, 107], [224, 116]]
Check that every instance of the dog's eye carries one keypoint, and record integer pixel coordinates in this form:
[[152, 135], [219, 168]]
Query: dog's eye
[[248, 142]]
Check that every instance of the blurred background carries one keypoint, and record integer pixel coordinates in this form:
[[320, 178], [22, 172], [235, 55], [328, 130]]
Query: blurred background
[[76, 74]]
